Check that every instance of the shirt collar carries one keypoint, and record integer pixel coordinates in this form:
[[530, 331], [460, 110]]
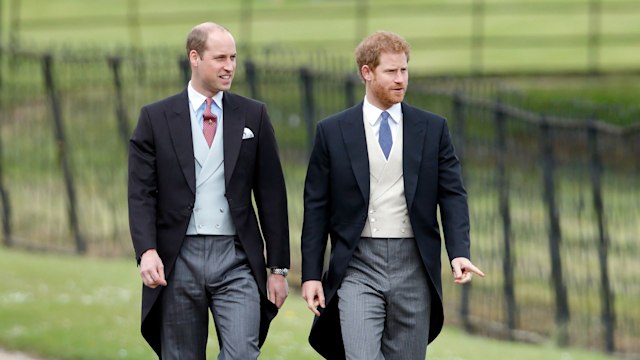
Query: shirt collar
[[372, 113], [196, 99]]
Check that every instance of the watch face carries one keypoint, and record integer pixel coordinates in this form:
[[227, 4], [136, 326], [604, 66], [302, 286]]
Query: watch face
[[278, 271]]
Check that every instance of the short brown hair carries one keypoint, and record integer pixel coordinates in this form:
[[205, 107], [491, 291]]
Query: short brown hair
[[369, 50], [197, 38]]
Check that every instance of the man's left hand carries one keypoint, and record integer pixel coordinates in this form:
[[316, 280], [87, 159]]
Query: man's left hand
[[277, 289], [463, 270]]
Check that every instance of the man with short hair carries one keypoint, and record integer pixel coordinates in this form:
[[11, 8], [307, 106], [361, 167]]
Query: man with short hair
[[377, 174], [196, 159]]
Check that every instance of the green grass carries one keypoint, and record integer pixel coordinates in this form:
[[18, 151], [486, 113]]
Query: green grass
[[612, 98], [34, 180], [69, 308], [442, 31], [301, 26]]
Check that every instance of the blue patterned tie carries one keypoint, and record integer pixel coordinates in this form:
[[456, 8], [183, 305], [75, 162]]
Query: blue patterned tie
[[384, 138]]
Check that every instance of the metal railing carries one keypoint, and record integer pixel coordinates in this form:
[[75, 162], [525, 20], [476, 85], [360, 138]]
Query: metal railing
[[554, 201]]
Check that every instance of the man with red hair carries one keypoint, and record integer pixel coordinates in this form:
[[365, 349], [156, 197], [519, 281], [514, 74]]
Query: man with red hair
[[377, 174]]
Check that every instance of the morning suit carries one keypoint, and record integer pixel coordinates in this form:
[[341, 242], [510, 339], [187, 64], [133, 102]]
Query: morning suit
[[337, 196], [162, 192], [388, 216], [211, 213], [384, 298]]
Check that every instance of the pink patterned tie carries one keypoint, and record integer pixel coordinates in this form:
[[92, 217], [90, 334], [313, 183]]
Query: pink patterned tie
[[210, 123]]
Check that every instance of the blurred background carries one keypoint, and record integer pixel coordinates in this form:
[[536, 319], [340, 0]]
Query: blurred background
[[542, 101]]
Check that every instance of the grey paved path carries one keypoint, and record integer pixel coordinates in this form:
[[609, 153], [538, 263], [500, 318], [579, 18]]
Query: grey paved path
[[13, 355]]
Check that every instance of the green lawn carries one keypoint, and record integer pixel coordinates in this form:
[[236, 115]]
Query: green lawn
[[85, 308], [444, 36], [65, 308], [447, 35]]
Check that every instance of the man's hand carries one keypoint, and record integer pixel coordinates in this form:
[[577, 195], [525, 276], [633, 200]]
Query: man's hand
[[277, 289], [152, 269], [463, 270], [314, 295]]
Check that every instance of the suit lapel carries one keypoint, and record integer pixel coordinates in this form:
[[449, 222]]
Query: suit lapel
[[353, 135], [234, 122], [414, 131], [179, 123], [200, 147]]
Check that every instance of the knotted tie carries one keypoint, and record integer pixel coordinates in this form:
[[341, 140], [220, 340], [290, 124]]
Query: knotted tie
[[384, 138], [210, 123]]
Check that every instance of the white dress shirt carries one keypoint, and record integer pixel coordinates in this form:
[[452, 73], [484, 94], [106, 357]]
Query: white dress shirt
[[197, 105], [371, 116]]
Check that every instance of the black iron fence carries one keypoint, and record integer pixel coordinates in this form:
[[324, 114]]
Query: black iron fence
[[554, 200]]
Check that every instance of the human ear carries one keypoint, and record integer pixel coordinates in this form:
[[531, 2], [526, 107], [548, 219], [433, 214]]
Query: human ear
[[366, 72], [193, 58]]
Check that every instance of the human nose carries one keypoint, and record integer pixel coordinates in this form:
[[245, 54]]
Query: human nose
[[230, 64], [399, 76]]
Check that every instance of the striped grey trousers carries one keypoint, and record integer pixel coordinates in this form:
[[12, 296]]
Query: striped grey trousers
[[211, 274], [385, 302]]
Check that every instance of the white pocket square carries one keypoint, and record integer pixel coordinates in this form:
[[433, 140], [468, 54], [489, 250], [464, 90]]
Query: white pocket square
[[247, 134]]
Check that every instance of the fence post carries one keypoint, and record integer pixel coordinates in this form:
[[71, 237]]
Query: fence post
[[121, 114], [185, 69], [63, 157], [607, 310], [308, 105], [252, 78], [505, 214], [594, 33], [555, 237], [459, 118], [4, 199], [350, 90]]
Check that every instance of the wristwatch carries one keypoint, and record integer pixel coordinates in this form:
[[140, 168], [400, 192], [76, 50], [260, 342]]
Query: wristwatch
[[280, 271]]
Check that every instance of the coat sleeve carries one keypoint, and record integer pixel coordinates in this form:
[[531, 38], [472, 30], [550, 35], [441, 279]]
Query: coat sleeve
[[142, 186], [271, 195], [316, 209], [452, 199]]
